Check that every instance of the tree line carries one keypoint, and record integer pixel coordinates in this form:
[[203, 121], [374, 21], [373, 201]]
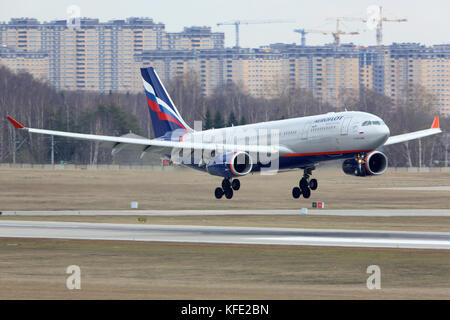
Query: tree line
[[36, 104]]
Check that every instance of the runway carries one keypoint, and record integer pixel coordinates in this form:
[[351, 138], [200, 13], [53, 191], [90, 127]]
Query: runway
[[320, 212], [224, 235]]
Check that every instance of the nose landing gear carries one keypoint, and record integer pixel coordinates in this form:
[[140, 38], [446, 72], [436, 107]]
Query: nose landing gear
[[305, 185], [227, 188]]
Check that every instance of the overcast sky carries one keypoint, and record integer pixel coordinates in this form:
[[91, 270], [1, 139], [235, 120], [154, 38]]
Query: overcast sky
[[428, 21]]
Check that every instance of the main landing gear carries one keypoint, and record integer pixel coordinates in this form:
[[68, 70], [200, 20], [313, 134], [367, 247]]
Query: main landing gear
[[305, 185], [227, 188]]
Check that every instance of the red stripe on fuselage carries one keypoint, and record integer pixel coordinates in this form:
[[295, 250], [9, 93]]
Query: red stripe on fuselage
[[323, 153]]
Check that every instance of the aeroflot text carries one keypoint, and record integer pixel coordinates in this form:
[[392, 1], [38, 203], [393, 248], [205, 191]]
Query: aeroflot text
[[329, 119]]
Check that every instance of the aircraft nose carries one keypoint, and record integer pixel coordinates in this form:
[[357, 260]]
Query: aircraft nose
[[384, 132]]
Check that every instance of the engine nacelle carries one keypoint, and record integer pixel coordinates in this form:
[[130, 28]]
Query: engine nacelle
[[232, 164], [374, 163]]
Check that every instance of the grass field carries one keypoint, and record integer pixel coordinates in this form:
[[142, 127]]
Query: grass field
[[38, 189], [35, 269]]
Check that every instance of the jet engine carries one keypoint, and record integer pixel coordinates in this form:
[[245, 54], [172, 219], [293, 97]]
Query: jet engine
[[374, 163], [232, 164]]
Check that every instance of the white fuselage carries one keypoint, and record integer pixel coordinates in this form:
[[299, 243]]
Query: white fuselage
[[325, 133]]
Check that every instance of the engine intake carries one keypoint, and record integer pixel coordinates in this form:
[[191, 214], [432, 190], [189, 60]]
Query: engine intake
[[231, 164], [374, 163]]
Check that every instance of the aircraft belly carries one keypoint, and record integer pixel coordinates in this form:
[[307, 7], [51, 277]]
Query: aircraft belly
[[323, 148]]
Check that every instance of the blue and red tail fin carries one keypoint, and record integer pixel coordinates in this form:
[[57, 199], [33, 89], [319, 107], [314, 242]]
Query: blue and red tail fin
[[163, 113]]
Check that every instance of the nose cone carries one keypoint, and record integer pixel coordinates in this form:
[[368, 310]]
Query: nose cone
[[382, 134], [385, 131]]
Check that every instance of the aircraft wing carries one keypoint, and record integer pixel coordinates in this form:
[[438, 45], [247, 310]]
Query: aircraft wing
[[148, 145], [415, 135]]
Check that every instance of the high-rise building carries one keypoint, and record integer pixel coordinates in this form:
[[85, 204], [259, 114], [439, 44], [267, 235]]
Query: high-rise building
[[330, 72], [194, 38], [106, 56], [99, 56], [255, 70], [34, 62], [406, 66]]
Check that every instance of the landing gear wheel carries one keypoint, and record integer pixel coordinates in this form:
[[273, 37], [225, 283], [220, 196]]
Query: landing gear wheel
[[303, 184], [218, 193], [313, 184], [306, 193], [296, 192], [229, 193], [235, 184], [226, 184]]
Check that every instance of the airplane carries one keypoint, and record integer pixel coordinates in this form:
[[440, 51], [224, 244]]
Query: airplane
[[233, 152]]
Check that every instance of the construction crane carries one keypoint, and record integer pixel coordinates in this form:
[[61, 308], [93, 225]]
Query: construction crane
[[380, 25], [378, 19], [303, 32], [237, 23], [336, 34]]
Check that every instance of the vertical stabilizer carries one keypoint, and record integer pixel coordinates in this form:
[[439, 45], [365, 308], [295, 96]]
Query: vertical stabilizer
[[163, 113]]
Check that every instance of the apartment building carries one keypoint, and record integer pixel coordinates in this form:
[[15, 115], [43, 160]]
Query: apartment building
[[106, 56], [257, 71], [99, 56], [193, 38], [410, 64], [35, 62], [329, 72]]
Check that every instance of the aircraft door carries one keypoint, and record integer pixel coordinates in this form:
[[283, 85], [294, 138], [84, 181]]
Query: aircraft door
[[305, 131], [345, 125]]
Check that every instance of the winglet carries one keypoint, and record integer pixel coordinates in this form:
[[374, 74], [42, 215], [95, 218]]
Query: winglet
[[435, 124], [16, 124]]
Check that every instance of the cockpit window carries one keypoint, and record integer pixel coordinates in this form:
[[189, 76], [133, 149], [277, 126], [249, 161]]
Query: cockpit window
[[369, 123]]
